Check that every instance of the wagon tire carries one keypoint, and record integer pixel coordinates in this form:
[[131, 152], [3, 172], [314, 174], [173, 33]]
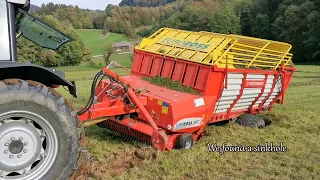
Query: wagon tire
[[250, 120], [184, 141], [39, 132]]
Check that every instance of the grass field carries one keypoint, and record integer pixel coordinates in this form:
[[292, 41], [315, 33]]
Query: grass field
[[123, 59], [296, 124], [96, 41]]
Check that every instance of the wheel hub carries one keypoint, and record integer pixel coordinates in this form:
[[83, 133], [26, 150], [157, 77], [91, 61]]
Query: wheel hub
[[188, 144], [15, 147], [28, 146], [21, 146]]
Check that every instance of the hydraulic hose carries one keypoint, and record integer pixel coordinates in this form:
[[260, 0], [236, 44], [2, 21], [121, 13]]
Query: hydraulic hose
[[93, 89], [93, 92]]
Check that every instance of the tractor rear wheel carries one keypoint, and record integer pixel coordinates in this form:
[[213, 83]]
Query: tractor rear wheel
[[39, 132], [185, 141], [251, 120]]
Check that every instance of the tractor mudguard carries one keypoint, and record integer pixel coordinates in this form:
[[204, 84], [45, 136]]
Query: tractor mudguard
[[29, 71]]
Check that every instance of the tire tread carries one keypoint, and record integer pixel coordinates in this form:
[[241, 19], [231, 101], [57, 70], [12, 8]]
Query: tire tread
[[10, 89]]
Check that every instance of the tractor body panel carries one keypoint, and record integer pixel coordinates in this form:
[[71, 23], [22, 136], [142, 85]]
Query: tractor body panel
[[28, 71], [9, 67], [4, 33]]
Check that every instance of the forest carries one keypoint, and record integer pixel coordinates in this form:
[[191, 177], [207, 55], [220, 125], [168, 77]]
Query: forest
[[145, 3], [292, 21], [66, 19]]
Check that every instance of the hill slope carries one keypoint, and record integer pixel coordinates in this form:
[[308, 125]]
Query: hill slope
[[34, 8], [96, 41]]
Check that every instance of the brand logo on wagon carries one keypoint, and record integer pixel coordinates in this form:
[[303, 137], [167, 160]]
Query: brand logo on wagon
[[184, 44], [254, 83], [187, 123]]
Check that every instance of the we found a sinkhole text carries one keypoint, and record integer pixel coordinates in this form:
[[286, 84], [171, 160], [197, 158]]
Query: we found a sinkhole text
[[266, 147]]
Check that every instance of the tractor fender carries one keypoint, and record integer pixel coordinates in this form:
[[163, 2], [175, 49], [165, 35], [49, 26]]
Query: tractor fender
[[29, 71]]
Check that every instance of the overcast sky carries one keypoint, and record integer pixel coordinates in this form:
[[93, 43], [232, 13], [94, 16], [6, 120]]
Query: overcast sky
[[84, 4]]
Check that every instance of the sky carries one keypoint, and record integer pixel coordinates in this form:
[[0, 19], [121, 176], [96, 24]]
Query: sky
[[84, 4]]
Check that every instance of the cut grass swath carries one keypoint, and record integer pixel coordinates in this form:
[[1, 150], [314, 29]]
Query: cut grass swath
[[170, 84]]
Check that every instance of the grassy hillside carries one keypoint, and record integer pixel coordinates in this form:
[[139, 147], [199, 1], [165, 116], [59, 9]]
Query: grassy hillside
[[96, 41], [123, 59], [296, 124]]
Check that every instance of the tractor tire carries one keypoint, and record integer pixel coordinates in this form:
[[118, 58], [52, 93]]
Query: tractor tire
[[39, 132], [185, 141], [250, 120]]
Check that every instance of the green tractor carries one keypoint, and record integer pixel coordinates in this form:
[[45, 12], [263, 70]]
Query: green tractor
[[39, 130]]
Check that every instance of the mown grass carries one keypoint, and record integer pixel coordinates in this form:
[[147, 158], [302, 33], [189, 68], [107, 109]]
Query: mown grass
[[168, 83], [96, 41], [296, 124]]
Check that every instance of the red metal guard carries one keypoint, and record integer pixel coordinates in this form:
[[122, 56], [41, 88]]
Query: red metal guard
[[262, 91], [270, 93], [240, 94]]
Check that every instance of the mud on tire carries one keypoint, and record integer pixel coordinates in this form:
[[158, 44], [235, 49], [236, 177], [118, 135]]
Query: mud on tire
[[37, 100], [250, 120]]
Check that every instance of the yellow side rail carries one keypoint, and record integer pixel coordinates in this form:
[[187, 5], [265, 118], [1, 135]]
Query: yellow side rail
[[214, 49]]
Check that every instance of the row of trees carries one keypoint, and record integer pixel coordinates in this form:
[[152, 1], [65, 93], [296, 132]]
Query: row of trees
[[73, 16], [145, 3], [293, 21], [129, 20]]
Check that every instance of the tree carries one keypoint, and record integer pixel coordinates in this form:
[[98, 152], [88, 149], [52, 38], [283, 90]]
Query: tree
[[78, 18], [49, 58], [225, 20], [108, 51], [87, 54], [261, 26], [296, 26], [313, 40], [145, 3], [72, 54]]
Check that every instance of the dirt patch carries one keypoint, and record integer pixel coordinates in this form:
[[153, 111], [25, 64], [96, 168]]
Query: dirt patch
[[33, 83], [116, 164], [106, 35], [55, 92], [82, 164], [69, 103], [272, 117], [11, 81], [2, 84]]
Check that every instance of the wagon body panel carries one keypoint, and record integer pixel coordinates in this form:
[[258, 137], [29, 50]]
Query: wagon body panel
[[226, 93]]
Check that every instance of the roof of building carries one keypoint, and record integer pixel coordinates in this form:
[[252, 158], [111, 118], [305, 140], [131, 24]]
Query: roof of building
[[122, 43]]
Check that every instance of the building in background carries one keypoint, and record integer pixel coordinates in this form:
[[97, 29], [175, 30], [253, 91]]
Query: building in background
[[122, 46]]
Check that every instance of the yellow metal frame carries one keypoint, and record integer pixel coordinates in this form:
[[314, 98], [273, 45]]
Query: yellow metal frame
[[218, 49]]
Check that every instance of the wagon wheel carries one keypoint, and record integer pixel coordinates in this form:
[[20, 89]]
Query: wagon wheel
[[185, 141], [250, 120]]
